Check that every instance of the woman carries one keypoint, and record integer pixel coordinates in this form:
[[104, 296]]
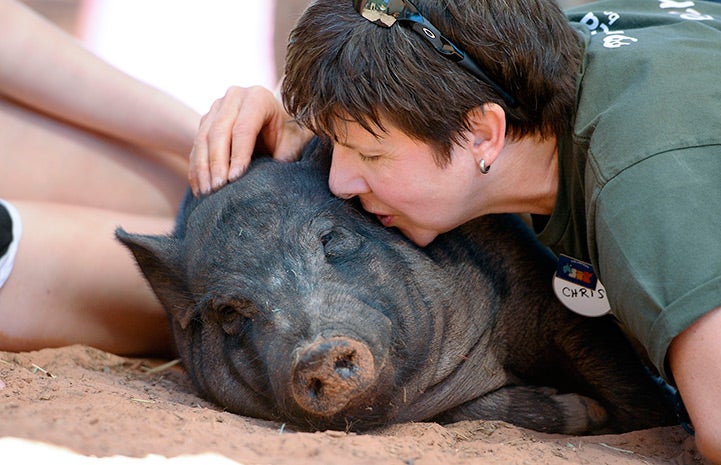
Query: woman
[[84, 148], [603, 125]]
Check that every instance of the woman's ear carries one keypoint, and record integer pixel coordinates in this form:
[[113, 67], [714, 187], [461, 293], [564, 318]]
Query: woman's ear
[[488, 132]]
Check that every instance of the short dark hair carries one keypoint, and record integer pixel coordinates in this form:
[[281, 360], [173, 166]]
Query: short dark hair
[[341, 66]]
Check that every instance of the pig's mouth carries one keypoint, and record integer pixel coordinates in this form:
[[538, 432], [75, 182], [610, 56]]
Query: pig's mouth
[[329, 373]]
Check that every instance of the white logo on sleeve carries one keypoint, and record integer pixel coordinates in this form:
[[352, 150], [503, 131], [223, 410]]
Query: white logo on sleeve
[[600, 23], [612, 39]]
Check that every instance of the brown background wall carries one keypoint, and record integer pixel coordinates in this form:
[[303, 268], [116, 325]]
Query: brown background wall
[[65, 14]]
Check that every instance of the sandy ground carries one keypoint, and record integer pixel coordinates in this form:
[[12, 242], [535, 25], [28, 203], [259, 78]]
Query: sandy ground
[[95, 404]]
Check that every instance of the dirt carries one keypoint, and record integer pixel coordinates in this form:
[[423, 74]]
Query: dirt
[[94, 404]]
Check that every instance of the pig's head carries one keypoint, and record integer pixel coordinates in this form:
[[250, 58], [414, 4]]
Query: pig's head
[[288, 303]]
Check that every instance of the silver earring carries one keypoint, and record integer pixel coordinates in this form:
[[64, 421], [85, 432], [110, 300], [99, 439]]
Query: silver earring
[[482, 166]]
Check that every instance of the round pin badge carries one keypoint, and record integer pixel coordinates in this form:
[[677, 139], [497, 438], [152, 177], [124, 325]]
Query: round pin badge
[[577, 287], [582, 300]]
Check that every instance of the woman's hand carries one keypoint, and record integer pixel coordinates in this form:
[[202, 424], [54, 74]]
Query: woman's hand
[[244, 121]]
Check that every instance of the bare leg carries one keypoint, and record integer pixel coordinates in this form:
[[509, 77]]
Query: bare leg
[[73, 283], [43, 159]]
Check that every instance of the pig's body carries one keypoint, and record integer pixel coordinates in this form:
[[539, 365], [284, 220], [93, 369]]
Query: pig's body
[[289, 304]]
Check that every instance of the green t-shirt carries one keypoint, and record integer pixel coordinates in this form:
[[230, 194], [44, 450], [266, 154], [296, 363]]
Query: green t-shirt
[[640, 177]]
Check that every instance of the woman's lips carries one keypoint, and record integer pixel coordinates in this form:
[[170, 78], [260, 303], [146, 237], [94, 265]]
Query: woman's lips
[[385, 220]]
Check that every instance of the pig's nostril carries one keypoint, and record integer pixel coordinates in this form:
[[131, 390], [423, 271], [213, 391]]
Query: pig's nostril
[[330, 373], [345, 367], [315, 388]]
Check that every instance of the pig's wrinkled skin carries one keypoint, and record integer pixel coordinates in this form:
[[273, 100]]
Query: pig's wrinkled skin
[[292, 305]]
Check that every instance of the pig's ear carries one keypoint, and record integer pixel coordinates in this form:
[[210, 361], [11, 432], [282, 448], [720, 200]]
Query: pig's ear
[[158, 258], [318, 152]]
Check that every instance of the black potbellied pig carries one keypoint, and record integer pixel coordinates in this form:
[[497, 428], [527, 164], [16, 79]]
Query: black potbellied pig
[[287, 303]]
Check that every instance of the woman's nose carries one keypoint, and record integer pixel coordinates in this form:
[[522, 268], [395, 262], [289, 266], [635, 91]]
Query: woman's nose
[[346, 179]]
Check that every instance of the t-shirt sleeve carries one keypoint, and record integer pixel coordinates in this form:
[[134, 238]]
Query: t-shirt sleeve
[[658, 238]]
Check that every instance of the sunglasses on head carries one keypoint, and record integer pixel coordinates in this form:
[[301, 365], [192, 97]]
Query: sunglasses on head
[[386, 13]]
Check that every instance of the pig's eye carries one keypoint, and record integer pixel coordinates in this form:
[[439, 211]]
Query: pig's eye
[[327, 237], [230, 320], [338, 242], [233, 317]]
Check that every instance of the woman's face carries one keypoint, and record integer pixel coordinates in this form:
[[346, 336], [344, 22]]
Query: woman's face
[[396, 179]]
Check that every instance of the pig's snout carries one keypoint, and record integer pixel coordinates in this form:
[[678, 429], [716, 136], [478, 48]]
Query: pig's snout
[[329, 373]]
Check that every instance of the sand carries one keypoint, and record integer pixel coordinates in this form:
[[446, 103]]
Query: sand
[[77, 404]]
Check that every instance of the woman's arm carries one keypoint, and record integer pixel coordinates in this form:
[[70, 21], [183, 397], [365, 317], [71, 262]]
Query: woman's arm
[[44, 68]]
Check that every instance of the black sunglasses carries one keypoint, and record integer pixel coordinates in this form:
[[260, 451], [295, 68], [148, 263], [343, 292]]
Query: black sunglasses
[[386, 13]]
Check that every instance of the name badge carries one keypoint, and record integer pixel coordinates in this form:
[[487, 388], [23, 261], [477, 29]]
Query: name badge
[[578, 288]]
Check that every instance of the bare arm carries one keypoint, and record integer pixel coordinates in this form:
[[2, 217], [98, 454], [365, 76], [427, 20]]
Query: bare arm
[[44, 68], [695, 359]]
